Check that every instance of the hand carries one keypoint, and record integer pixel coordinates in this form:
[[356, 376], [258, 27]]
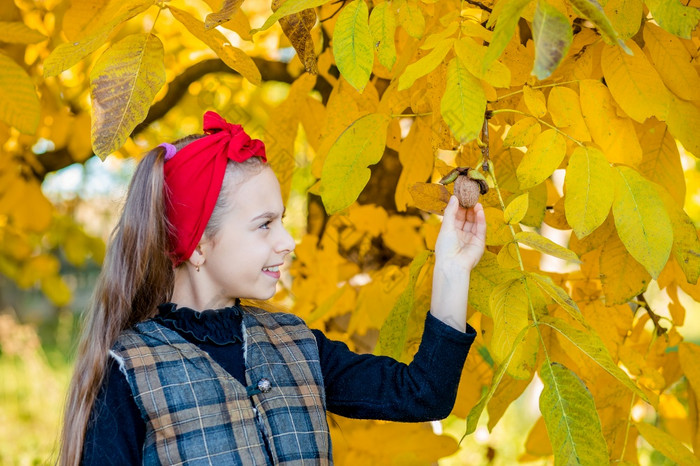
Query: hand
[[462, 237]]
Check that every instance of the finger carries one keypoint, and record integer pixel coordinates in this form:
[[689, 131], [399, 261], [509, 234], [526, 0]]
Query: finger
[[480, 221], [448, 217]]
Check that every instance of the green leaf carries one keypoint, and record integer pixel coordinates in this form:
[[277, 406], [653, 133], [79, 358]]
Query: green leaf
[[352, 44], [553, 36], [505, 28], [641, 220], [19, 103], [542, 158], [589, 190], [591, 10], [484, 278], [667, 444], [392, 335], [234, 57], [558, 294], [590, 344], [571, 418], [66, 55], [674, 17], [545, 245], [382, 24], [345, 171], [16, 32], [425, 65], [475, 413], [516, 210], [464, 102], [289, 7], [123, 83]]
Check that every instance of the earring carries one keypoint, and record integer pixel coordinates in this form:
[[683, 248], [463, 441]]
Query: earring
[[196, 267]]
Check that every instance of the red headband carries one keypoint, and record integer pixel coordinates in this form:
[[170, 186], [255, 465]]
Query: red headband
[[193, 179]]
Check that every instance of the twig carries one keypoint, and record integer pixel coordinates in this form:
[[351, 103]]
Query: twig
[[654, 318]]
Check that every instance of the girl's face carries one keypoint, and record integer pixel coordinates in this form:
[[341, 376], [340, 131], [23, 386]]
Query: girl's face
[[243, 259]]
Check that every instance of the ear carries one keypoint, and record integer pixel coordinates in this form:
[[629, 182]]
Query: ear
[[197, 258]]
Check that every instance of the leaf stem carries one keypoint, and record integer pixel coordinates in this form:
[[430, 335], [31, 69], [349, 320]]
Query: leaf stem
[[537, 87], [512, 110], [627, 429], [401, 115]]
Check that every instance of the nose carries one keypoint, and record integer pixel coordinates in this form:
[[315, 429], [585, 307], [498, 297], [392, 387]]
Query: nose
[[286, 243]]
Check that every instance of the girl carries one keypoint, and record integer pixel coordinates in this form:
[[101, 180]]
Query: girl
[[173, 369]]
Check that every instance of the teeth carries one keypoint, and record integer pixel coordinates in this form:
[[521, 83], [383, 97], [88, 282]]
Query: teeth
[[272, 269]]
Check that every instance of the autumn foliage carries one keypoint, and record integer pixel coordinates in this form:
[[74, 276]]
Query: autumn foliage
[[582, 117]]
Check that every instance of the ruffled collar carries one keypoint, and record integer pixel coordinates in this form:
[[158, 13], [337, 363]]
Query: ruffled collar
[[218, 326]]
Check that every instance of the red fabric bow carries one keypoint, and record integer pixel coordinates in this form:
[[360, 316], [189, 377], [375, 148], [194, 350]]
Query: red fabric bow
[[193, 179]]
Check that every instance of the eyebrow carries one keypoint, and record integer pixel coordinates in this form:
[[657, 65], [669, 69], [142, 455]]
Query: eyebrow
[[268, 215]]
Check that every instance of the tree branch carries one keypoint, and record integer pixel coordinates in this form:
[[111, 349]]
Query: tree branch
[[654, 318], [269, 71]]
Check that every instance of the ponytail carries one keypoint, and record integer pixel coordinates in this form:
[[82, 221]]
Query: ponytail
[[136, 277]]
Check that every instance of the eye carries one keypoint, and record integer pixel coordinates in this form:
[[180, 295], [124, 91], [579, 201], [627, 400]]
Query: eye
[[266, 225]]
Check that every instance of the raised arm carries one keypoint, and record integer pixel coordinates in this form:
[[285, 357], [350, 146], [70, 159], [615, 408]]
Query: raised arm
[[459, 248]]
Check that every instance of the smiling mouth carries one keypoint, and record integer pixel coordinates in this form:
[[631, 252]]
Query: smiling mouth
[[273, 269]]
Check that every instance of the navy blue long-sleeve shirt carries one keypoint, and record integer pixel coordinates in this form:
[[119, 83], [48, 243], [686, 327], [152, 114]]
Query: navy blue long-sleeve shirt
[[361, 386]]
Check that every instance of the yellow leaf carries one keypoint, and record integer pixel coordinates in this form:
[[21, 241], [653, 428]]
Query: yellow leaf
[[497, 230], [545, 245], [590, 344], [537, 204], [634, 83], [376, 299], [94, 36], [509, 390], [464, 102], [476, 376], [19, 103], [522, 133], [668, 445], [56, 289], [565, 108], [382, 24], [234, 57], [509, 309], [82, 15], [430, 197], [225, 13], [689, 354], [472, 56], [403, 235], [592, 10], [425, 65], [571, 418], [352, 44], [683, 122], [508, 256], [288, 8], [535, 101], [624, 16], [537, 442], [411, 18], [417, 159], [589, 190], [36, 269], [622, 277], [662, 162], [16, 32], [616, 136], [240, 24], [686, 244], [673, 62], [542, 158], [434, 39], [516, 209], [558, 294], [123, 83], [345, 171], [641, 220], [33, 211]]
